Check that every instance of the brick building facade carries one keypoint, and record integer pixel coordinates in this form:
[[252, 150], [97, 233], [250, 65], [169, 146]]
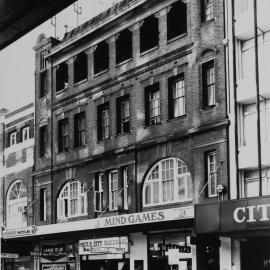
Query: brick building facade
[[131, 130]]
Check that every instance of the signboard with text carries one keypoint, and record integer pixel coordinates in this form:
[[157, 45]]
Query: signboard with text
[[28, 231]]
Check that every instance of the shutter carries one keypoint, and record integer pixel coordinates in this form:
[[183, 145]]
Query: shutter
[[60, 208]]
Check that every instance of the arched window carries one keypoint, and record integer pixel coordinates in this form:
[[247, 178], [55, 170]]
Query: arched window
[[169, 181], [16, 205], [72, 200]]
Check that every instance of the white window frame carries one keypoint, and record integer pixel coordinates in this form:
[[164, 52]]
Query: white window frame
[[98, 194], [44, 217], [113, 192], [154, 106], [105, 123], [154, 178], [27, 131], [16, 217], [208, 10], [67, 196], [212, 173], [125, 187], [178, 96], [13, 138]]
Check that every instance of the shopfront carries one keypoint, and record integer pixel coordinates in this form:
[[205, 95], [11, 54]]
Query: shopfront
[[241, 229]]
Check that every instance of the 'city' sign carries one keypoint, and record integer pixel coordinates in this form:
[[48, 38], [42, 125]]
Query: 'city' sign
[[251, 213]]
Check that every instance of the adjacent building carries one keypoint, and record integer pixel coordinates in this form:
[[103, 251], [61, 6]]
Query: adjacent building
[[131, 130]]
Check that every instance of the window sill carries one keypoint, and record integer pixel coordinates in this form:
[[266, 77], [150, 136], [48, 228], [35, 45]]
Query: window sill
[[123, 134], [176, 38], [206, 22], [210, 107], [66, 219], [62, 152], [177, 118], [61, 91], [124, 62], [148, 51], [188, 200], [80, 82], [153, 125], [103, 140], [77, 148], [100, 73]]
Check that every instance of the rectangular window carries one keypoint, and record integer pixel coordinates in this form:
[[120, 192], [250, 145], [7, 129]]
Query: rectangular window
[[123, 117], [25, 133], [207, 10], [99, 185], [250, 184], [208, 78], [152, 103], [124, 46], [63, 135], [43, 63], [176, 96], [61, 77], [103, 121], [79, 129], [101, 57], [125, 190], [113, 190], [43, 204], [43, 141], [212, 174], [43, 84], [12, 138]]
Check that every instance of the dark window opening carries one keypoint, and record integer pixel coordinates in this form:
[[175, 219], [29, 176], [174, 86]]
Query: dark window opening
[[79, 129], [208, 81], [207, 10], [61, 77], [43, 63], [80, 67], [103, 121], [43, 141], [123, 115], [152, 104], [43, 204], [63, 135], [149, 34], [124, 46], [101, 57], [43, 84], [177, 20]]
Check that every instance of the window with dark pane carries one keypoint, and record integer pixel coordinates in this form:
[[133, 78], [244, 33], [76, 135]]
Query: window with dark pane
[[61, 77], [101, 57], [124, 46], [152, 104], [63, 135], [207, 10], [103, 121], [123, 115], [176, 20], [208, 79], [43, 140], [80, 67], [43, 84], [79, 129]]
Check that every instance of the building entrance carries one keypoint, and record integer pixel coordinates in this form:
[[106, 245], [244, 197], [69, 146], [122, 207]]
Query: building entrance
[[255, 254]]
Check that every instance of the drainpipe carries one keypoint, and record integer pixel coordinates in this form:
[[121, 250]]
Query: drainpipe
[[258, 97]]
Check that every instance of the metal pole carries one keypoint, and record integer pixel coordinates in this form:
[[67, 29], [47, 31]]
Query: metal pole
[[258, 97]]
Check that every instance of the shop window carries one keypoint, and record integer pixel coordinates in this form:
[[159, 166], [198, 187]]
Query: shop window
[[103, 121], [63, 135], [79, 129], [123, 117], [208, 80], [72, 200], [176, 96], [250, 123], [43, 84], [211, 174], [43, 204], [16, 205], [113, 190], [149, 34], [101, 57], [80, 67], [12, 138], [43, 141], [152, 104], [99, 187], [61, 77], [167, 247], [207, 10], [176, 20], [125, 187], [250, 183], [124, 46], [25, 134], [169, 181]]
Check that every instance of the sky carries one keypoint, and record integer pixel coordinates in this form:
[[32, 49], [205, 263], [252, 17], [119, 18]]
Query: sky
[[17, 62]]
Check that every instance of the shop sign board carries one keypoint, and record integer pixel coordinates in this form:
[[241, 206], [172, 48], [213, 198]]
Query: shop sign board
[[53, 266], [28, 231], [112, 245], [53, 250], [9, 255]]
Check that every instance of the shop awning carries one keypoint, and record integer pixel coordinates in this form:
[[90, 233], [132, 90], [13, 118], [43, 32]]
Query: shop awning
[[233, 215]]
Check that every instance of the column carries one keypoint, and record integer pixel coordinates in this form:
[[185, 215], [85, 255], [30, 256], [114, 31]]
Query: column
[[135, 29], [162, 22], [90, 61]]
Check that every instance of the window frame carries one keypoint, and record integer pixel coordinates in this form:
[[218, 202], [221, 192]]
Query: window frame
[[12, 138], [62, 71], [113, 192], [79, 129], [69, 198], [123, 121], [63, 135], [80, 61], [103, 125], [211, 172], [27, 129], [205, 16], [177, 177], [99, 193], [43, 141], [43, 204], [125, 187]]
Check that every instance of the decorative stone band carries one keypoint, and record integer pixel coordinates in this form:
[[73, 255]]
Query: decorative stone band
[[163, 215]]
